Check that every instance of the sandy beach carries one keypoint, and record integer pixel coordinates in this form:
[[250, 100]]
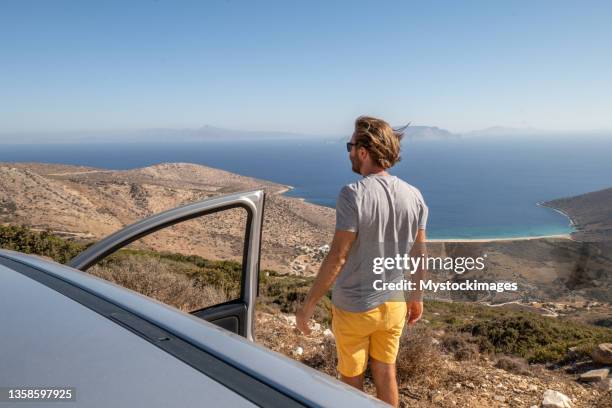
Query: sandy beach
[[528, 238]]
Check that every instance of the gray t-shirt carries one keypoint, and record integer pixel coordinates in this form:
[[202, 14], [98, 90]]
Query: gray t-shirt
[[386, 212]]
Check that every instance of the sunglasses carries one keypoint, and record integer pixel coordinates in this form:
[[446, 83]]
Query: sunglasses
[[349, 146]]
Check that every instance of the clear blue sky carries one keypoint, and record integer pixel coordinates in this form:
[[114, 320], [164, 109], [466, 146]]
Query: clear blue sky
[[304, 66]]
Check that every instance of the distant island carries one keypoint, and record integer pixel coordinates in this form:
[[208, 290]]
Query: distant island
[[427, 132], [190, 135], [210, 132], [149, 135], [419, 132]]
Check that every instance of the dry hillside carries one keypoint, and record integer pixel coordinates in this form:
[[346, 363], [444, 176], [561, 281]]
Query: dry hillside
[[91, 203]]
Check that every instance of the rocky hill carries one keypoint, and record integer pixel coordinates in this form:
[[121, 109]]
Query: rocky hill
[[88, 203], [546, 270], [591, 214]]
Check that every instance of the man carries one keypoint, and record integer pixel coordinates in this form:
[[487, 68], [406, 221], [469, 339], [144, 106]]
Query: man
[[377, 216]]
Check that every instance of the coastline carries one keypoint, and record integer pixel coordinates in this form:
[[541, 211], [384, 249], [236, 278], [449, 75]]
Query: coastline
[[545, 205], [567, 236], [590, 214], [283, 190], [525, 238]]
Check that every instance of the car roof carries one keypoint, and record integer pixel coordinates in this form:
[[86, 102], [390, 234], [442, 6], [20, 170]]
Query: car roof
[[118, 347], [48, 340]]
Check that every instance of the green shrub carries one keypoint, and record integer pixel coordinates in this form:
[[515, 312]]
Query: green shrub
[[461, 345], [23, 239], [538, 339], [514, 365]]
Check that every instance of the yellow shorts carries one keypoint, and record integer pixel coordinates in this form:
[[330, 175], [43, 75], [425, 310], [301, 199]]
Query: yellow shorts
[[375, 332]]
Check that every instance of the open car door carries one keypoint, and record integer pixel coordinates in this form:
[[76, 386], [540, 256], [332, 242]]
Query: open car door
[[236, 315]]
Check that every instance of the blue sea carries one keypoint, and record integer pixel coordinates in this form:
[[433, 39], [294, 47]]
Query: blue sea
[[475, 187]]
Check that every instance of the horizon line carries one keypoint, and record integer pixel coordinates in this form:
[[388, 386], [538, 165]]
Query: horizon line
[[491, 129]]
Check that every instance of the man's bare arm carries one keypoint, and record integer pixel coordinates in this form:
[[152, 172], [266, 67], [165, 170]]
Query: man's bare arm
[[415, 300], [328, 272]]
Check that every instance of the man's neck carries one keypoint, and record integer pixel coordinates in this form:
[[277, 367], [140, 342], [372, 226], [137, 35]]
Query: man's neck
[[375, 172]]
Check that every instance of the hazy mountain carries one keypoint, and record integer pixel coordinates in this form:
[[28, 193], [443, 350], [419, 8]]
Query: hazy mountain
[[206, 132], [429, 132], [505, 131], [502, 131], [211, 132], [421, 132], [147, 135]]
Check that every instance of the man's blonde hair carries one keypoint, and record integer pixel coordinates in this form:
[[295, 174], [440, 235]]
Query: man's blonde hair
[[380, 139]]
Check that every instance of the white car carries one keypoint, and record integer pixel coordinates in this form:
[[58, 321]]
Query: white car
[[107, 346]]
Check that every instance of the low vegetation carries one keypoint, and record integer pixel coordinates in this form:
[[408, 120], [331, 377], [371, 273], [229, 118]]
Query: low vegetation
[[192, 282], [152, 277], [536, 338], [23, 239], [513, 364], [418, 359]]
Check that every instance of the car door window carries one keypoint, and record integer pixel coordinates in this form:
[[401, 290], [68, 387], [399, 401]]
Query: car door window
[[191, 265], [202, 257]]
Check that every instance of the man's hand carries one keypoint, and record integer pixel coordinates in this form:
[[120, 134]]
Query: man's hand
[[415, 311], [302, 317], [330, 268]]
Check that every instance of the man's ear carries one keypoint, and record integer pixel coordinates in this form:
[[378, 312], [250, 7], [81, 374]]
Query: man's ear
[[363, 153]]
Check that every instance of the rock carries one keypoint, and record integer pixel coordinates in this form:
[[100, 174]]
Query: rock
[[437, 398], [290, 320], [439, 333], [298, 351], [595, 375], [555, 399], [606, 385], [602, 353], [499, 398], [572, 352], [328, 333]]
